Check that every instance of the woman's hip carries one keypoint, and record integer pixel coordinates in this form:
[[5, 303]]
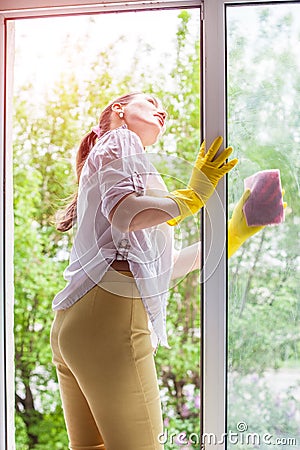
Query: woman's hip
[[110, 316]]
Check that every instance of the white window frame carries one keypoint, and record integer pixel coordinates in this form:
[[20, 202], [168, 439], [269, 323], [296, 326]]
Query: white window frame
[[7, 403], [214, 273], [214, 258]]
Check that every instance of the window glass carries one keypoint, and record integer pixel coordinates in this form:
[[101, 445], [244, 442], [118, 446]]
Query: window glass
[[263, 79], [66, 70]]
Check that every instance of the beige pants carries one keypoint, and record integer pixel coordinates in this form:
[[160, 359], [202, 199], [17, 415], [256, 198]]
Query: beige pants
[[104, 359]]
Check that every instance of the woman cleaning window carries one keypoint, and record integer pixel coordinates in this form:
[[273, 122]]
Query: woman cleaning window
[[112, 313]]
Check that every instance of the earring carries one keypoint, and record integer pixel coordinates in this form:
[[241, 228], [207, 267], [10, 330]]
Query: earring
[[121, 115]]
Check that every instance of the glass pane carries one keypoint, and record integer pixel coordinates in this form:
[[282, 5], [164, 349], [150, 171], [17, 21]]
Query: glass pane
[[66, 70], [264, 306]]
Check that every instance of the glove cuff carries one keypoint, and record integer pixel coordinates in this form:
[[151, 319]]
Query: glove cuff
[[234, 242], [188, 203]]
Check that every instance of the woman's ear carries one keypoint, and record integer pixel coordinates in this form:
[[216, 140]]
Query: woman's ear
[[117, 108]]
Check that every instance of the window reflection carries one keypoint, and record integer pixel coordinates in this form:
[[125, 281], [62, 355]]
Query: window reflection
[[264, 310]]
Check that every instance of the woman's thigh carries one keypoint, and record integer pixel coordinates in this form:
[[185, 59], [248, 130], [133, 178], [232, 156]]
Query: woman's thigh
[[82, 429], [105, 342]]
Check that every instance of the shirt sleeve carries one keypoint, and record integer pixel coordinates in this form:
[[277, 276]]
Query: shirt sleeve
[[122, 168]]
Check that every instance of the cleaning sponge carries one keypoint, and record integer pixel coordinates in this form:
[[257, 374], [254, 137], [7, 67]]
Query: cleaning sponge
[[264, 206]]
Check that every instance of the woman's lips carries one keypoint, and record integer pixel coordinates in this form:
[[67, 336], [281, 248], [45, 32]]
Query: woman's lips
[[160, 119]]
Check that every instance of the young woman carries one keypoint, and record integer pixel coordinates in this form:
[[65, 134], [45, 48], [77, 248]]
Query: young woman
[[112, 312]]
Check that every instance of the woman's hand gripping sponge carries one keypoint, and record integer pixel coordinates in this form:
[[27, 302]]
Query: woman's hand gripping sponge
[[264, 206]]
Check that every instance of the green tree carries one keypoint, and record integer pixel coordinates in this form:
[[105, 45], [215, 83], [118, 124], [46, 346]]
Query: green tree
[[264, 306], [44, 148], [263, 127], [41, 176]]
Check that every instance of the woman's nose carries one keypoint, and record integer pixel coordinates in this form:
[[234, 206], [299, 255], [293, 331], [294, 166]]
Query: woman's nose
[[163, 114]]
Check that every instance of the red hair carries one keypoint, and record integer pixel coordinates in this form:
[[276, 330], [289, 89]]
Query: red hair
[[66, 218]]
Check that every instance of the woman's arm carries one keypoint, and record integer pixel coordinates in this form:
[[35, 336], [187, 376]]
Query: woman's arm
[[137, 212], [134, 212], [186, 260]]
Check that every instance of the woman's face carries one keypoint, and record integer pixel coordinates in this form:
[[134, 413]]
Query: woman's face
[[145, 116]]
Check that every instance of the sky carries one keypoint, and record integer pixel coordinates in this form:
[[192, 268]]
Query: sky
[[41, 43]]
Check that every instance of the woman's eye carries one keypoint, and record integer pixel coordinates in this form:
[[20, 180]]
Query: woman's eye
[[151, 101]]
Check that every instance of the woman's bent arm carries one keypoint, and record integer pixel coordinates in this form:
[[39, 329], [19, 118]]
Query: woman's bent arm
[[137, 212]]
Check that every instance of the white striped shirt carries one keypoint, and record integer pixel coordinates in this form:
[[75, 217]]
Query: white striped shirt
[[116, 166]]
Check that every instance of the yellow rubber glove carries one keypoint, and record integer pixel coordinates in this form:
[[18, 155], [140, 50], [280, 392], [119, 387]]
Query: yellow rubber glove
[[205, 176], [208, 171], [238, 230]]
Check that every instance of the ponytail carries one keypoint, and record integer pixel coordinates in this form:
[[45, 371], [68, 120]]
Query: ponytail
[[66, 218]]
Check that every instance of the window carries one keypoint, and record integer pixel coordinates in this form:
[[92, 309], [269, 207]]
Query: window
[[36, 151], [224, 401], [263, 307], [227, 51]]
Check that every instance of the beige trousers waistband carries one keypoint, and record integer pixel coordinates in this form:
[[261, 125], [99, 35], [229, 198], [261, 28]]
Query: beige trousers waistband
[[120, 283]]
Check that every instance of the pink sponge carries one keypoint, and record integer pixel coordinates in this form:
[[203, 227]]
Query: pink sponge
[[264, 206]]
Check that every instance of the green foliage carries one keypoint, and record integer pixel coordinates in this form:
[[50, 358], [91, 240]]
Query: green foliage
[[44, 149], [265, 139], [264, 411], [264, 308], [264, 304], [263, 93], [36, 274]]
